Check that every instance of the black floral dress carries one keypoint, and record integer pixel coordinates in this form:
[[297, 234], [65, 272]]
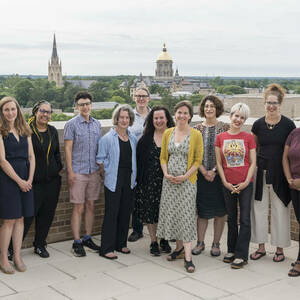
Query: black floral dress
[[148, 194]]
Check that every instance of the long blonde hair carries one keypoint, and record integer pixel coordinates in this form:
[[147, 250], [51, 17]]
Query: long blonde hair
[[20, 124]]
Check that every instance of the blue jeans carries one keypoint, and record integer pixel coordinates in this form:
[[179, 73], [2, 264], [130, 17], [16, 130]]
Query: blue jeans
[[238, 240]]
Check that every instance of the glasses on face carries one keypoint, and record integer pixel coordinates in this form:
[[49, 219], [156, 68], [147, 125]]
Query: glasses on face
[[44, 111], [141, 96], [209, 106], [84, 104], [270, 103]]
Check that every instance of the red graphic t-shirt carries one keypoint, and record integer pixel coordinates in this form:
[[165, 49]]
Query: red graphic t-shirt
[[235, 155]]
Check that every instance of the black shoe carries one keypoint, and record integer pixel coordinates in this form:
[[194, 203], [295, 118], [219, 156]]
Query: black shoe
[[164, 246], [41, 251], [238, 263], [10, 254], [78, 250], [154, 249], [91, 245], [135, 236]]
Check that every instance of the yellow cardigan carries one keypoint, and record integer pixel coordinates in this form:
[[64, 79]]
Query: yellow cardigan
[[195, 154]]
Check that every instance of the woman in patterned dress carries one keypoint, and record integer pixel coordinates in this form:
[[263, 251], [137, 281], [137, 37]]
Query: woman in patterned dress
[[149, 174], [210, 199], [180, 158]]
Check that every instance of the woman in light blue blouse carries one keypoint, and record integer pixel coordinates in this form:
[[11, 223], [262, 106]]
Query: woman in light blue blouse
[[117, 159]]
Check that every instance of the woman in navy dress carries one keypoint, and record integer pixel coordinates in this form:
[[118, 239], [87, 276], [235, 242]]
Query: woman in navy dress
[[16, 174]]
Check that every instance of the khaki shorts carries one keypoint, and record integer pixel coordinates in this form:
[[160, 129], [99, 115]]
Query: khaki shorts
[[86, 187]]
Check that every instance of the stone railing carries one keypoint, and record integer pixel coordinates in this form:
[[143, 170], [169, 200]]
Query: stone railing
[[61, 230]]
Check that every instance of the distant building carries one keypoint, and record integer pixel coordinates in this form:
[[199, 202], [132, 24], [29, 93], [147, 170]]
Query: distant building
[[54, 67], [164, 65], [164, 77]]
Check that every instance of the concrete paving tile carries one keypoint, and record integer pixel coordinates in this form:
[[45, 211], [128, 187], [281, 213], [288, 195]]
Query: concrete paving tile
[[34, 278], [283, 289], [32, 259], [64, 247], [144, 275], [77, 267], [129, 259], [96, 286], [199, 289], [4, 290], [38, 294], [266, 266], [233, 281], [161, 291], [233, 297]]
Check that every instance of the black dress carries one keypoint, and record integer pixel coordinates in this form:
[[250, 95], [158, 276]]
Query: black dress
[[148, 193], [14, 203]]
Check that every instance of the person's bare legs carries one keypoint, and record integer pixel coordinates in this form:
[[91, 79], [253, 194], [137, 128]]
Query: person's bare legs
[[201, 231], [5, 237], [89, 217], [152, 231], [219, 223], [17, 238], [188, 255], [76, 219]]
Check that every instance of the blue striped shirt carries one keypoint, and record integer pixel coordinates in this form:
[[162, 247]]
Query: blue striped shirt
[[85, 136]]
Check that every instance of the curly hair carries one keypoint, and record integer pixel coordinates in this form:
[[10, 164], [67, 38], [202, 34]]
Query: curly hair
[[20, 124], [149, 127], [217, 103], [275, 90]]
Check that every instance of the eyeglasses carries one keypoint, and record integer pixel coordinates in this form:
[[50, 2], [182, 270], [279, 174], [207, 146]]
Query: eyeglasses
[[269, 103], [84, 104], [141, 96], [44, 111]]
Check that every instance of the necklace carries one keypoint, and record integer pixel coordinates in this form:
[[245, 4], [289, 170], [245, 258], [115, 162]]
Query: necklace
[[272, 126], [122, 136]]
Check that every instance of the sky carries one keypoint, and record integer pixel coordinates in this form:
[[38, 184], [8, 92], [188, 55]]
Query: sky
[[203, 37]]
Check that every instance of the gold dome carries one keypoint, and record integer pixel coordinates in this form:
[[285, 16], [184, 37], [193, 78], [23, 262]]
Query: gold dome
[[164, 55]]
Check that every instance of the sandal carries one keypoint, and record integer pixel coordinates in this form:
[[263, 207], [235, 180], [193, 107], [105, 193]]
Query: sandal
[[215, 252], [258, 254], [276, 255], [189, 266], [176, 254], [198, 248], [293, 272]]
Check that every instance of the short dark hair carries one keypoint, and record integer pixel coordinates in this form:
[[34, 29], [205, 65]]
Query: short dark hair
[[217, 103], [149, 127], [82, 95], [187, 104]]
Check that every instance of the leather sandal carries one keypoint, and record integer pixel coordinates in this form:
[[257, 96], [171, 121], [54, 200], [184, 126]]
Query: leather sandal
[[189, 266], [258, 254], [198, 248], [215, 252], [276, 255], [176, 254], [293, 272]]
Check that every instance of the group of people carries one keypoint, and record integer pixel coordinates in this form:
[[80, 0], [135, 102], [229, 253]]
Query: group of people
[[168, 175]]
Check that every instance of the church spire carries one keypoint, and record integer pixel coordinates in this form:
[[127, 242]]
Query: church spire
[[54, 50]]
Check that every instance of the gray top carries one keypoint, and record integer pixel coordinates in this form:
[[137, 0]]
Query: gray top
[[138, 125], [85, 136]]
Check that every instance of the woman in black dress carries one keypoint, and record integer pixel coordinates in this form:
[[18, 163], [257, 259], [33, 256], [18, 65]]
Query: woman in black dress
[[149, 174], [17, 163]]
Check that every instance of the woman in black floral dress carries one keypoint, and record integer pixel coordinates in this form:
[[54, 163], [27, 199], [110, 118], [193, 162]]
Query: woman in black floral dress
[[149, 174]]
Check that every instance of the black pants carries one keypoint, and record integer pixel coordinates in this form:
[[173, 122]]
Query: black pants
[[118, 207], [137, 225], [238, 240], [296, 204]]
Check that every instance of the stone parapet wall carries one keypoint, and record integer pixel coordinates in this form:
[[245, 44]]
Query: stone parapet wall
[[61, 230]]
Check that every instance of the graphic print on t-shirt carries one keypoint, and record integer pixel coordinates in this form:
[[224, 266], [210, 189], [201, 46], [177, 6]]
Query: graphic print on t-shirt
[[234, 152]]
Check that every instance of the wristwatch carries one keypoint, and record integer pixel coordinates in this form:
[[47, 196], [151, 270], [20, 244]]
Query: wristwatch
[[214, 169]]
